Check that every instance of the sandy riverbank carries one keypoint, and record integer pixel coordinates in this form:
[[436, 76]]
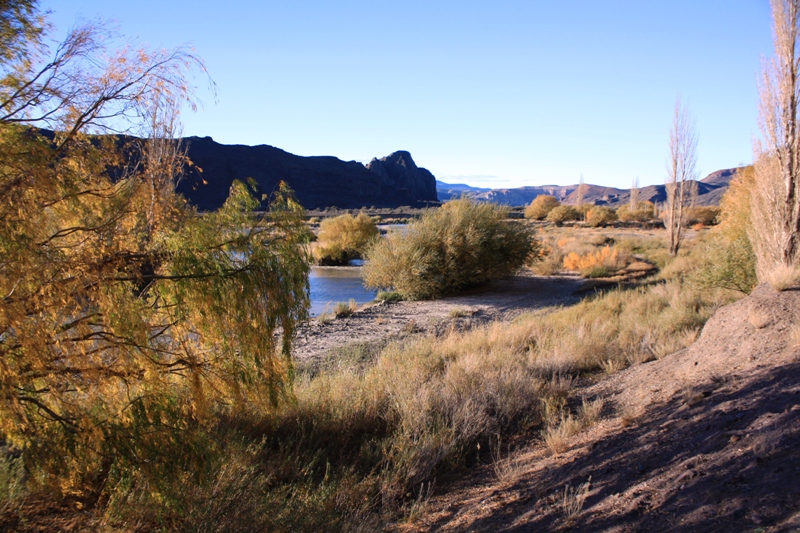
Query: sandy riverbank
[[500, 300]]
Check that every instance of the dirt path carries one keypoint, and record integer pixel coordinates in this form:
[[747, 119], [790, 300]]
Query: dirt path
[[500, 300]]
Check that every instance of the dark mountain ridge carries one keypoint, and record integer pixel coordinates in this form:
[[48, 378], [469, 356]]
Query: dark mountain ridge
[[318, 181]]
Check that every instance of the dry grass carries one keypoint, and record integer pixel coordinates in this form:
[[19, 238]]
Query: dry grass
[[345, 309], [368, 431], [691, 395], [557, 435], [574, 499], [461, 312], [509, 468], [782, 277]]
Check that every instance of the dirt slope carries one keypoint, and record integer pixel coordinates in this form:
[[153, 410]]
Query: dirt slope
[[707, 439]]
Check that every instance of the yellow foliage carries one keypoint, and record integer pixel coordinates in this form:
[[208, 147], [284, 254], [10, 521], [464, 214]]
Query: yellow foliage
[[541, 206], [343, 238], [127, 320]]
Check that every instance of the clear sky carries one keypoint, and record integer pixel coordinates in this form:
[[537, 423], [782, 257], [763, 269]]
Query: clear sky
[[491, 93]]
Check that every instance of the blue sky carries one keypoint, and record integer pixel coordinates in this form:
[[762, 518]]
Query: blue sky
[[496, 94]]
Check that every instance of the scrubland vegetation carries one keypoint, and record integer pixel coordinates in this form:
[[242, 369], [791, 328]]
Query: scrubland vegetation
[[364, 438], [145, 350]]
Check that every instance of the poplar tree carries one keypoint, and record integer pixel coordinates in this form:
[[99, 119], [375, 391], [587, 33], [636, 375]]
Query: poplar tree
[[776, 195]]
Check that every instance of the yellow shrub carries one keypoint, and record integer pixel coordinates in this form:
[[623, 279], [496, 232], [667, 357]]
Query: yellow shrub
[[563, 213], [541, 207], [343, 238], [600, 216]]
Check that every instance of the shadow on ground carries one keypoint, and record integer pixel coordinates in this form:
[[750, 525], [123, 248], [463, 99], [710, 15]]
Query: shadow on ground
[[723, 457]]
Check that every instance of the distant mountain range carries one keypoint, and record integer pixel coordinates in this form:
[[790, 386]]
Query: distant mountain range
[[709, 192], [392, 181]]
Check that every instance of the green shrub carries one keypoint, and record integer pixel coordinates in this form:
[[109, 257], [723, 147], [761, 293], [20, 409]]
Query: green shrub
[[389, 296], [727, 260], [461, 244], [343, 238], [727, 263], [599, 271], [541, 207], [600, 216], [563, 213]]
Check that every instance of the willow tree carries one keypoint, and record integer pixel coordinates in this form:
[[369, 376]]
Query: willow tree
[[125, 317]]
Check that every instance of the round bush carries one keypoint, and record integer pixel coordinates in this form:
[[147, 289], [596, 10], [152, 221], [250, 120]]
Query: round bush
[[563, 213], [541, 207], [461, 244], [705, 215], [600, 216]]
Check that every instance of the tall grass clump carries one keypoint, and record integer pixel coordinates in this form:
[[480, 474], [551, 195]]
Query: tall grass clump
[[461, 244], [343, 238]]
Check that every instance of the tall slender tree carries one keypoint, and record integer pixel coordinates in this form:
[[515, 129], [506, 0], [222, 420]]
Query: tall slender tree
[[681, 170], [776, 195]]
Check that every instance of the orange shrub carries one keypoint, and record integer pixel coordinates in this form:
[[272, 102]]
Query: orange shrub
[[597, 264]]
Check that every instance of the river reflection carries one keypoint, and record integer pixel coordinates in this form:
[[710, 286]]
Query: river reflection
[[336, 284]]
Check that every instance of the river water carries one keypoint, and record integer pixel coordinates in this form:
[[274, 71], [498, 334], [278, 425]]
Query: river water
[[336, 284]]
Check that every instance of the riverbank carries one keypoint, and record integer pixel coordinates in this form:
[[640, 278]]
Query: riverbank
[[500, 300]]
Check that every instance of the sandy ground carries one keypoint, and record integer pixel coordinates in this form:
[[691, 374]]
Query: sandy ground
[[500, 300], [706, 439]]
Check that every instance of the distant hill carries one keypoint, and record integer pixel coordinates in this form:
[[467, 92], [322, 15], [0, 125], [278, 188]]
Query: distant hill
[[319, 181], [450, 191], [709, 192]]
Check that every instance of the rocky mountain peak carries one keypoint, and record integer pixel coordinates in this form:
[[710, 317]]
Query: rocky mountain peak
[[399, 170]]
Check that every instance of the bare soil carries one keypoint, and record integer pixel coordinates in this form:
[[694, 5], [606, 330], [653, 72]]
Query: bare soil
[[706, 439]]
